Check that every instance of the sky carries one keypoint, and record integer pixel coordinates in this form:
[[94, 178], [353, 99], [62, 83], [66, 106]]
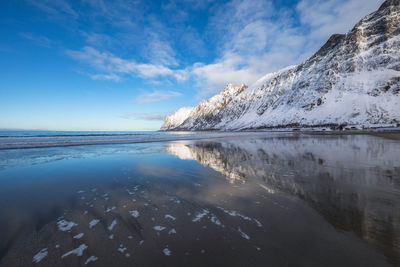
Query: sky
[[124, 65]]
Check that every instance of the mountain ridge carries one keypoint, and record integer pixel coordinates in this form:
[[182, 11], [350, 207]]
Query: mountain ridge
[[353, 79]]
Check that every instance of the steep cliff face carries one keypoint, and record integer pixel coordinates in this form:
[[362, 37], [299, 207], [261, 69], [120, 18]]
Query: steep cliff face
[[354, 79], [177, 118], [205, 114]]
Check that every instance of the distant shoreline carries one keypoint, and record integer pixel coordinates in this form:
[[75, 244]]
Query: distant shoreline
[[303, 129]]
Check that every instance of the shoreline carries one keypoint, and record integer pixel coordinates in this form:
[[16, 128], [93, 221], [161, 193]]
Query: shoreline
[[22, 142], [298, 128]]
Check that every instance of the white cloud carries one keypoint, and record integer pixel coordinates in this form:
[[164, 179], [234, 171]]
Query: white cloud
[[112, 77], [150, 70], [156, 96], [143, 116], [159, 51], [335, 16], [113, 65], [55, 8], [98, 39], [212, 77], [39, 40]]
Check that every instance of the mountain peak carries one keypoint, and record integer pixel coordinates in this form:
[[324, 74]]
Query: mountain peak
[[389, 3], [330, 44]]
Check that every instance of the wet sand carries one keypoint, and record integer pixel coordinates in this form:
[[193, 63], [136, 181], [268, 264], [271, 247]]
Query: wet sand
[[290, 200]]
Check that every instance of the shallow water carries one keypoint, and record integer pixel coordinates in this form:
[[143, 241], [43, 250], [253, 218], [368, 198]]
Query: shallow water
[[41, 139], [277, 200]]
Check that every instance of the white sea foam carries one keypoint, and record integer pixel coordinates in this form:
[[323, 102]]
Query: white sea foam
[[243, 234], [172, 231], [134, 213], [114, 222], [110, 209], [93, 222], [64, 225], [236, 214], [40, 255], [200, 215], [78, 251], [167, 252], [167, 216], [121, 248], [91, 259], [78, 236], [214, 219]]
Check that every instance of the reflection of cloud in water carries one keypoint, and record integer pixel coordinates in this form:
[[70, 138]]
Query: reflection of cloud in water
[[158, 171], [352, 180]]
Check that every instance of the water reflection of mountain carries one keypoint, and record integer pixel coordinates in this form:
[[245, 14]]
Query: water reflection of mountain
[[351, 180]]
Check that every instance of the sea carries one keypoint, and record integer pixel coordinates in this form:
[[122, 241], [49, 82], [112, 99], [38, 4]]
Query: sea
[[32, 139]]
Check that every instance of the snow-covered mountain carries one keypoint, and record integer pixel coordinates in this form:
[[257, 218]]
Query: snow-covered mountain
[[205, 113], [176, 118], [354, 79]]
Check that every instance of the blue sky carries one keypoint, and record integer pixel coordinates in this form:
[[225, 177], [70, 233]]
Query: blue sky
[[124, 65]]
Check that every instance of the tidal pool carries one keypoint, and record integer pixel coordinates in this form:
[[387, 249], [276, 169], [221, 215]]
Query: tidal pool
[[277, 199]]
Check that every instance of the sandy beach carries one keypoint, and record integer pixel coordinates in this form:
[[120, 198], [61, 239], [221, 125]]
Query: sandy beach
[[290, 199]]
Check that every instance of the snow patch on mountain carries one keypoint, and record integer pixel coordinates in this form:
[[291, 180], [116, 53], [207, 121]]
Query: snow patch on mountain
[[177, 118]]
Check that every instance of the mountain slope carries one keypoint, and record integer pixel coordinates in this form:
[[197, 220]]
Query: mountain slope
[[176, 118], [206, 113], [354, 79]]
